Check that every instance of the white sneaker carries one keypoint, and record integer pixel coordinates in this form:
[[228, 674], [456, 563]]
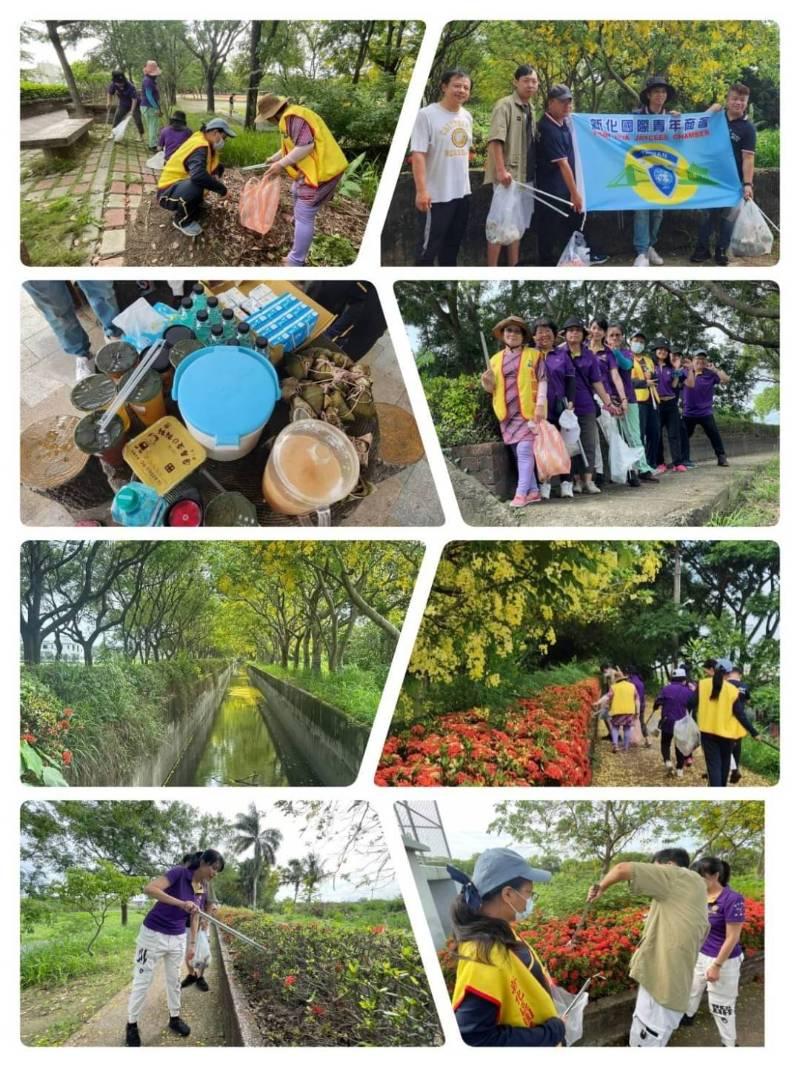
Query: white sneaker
[[577, 487], [679, 773], [654, 258], [188, 229], [590, 487], [84, 366], [544, 490], [667, 765], [566, 489], [642, 260]]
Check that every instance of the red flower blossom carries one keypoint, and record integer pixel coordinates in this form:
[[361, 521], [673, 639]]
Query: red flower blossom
[[66, 757], [290, 979]]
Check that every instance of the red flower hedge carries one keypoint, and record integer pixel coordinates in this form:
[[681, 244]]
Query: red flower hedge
[[604, 946], [541, 740]]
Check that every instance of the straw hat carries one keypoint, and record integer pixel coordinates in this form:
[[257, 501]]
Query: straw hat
[[511, 320], [270, 105]]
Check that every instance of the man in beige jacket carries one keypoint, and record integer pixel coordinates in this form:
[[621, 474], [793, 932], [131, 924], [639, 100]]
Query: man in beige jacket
[[674, 930]]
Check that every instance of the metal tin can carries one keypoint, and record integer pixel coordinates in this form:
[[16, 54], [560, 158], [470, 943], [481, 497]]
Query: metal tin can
[[147, 399], [108, 443], [116, 358]]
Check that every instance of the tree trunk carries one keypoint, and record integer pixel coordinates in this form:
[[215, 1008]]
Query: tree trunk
[[123, 913], [254, 74], [88, 657], [316, 651], [31, 647], [69, 77], [210, 101]]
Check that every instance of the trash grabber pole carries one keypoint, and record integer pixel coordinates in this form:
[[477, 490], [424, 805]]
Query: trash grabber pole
[[581, 924], [583, 989], [769, 744], [232, 931], [552, 207], [485, 352]]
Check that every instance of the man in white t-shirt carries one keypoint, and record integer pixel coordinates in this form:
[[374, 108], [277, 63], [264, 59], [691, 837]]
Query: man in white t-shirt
[[440, 148]]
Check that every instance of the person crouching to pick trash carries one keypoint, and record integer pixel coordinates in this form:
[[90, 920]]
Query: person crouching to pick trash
[[193, 168], [675, 928], [313, 160], [502, 991], [516, 378], [163, 936]]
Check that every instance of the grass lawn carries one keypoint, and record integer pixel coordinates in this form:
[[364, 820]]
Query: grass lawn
[[352, 689], [61, 984], [757, 502]]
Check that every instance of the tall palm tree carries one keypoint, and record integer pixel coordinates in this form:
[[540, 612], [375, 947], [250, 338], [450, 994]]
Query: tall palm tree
[[263, 840], [292, 875], [313, 874]]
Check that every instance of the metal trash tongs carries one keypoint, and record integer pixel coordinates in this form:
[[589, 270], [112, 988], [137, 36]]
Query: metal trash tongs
[[230, 930], [582, 989]]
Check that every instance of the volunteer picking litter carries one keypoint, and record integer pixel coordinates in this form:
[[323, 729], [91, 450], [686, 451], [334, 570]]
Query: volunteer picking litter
[[313, 160], [502, 991], [193, 168]]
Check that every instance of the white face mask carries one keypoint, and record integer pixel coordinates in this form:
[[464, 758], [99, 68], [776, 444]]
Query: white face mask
[[637, 347], [520, 916], [219, 145]]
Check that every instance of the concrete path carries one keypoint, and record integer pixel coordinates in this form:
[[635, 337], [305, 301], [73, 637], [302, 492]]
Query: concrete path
[[202, 1011], [641, 766], [677, 500], [749, 1022]]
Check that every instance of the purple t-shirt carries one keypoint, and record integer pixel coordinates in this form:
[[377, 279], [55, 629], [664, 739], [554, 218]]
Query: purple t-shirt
[[699, 401], [727, 908], [638, 685], [166, 918], [559, 367], [606, 361], [674, 700], [171, 139], [124, 90], [150, 96], [664, 373], [587, 372]]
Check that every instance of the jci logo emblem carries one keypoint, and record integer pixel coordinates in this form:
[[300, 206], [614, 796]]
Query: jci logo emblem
[[459, 136], [659, 175]]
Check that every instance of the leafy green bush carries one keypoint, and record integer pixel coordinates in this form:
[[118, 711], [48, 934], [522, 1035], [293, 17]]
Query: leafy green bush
[[55, 953], [352, 689], [41, 91], [331, 250], [768, 148], [247, 148], [461, 410], [761, 758], [360, 117]]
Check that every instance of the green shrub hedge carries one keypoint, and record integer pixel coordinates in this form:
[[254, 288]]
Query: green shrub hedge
[[41, 91], [461, 410]]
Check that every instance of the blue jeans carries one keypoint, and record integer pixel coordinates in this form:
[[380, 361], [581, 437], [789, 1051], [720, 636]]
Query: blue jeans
[[646, 225], [713, 217], [54, 300]]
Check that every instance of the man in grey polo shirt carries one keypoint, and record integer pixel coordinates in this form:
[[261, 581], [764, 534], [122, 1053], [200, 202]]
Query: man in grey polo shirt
[[673, 932], [511, 148]]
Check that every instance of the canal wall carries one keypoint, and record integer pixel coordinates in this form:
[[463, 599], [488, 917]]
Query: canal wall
[[328, 740], [189, 714], [241, 1029]]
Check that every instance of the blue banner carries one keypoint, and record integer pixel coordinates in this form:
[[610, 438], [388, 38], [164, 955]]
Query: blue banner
[[630, 162]]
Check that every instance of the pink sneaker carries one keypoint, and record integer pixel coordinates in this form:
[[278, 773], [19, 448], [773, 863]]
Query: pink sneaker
[[661, 469], [519, 501], [680, 469], [533, 498]]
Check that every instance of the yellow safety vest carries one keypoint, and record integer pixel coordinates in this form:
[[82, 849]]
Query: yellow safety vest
[[716, 716], [175, 170], [326, 161], [623, 698], [642, 390], [527, 383], [505, 981]]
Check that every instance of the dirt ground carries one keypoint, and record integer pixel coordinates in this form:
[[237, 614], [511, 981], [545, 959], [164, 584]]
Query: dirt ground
[[153, 241]]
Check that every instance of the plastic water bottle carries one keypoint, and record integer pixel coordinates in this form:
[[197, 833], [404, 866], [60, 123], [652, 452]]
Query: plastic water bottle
[[244, 337], [217, 334], [198, 297], [135, 504], [214, 313], [228, 325], [185, 316], [202, 327]]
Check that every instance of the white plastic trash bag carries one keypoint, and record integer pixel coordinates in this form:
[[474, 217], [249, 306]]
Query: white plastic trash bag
[[119, 130], [141, 323], [687, 735], [751, 235], [576, 252], [573, 1022], [157, 161], [509, 213], [202, 950], [570, 431], [622, 457]]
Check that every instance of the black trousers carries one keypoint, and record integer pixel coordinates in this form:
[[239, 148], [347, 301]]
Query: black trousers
[[123, 107], [709, 426], [717, 751], [441, 240], [553, 231], [670, 420], [666, 750], [650, 430], [184, 199]]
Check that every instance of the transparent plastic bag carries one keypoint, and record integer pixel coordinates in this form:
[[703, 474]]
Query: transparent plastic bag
[[576, 252], [202, 950], [751, 234], [570, 431], [509, 213], [120, 129], [622, 457], [141, 324], [562, 999], [258, 204], [157, 161], [687, 735]]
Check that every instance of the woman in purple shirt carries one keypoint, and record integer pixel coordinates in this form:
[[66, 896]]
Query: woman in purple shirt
[[669, 415], [173, 136], [560, 375], [720, 959], [127, 100], [588, 381], [673, 700], [163, 936]]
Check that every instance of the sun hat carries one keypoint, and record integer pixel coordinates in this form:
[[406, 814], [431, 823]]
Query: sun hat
[[511, 320], [574, 323], [270, 105], [657, 81]]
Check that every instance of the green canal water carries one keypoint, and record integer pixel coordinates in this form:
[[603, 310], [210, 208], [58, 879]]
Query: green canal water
[[238, 748]]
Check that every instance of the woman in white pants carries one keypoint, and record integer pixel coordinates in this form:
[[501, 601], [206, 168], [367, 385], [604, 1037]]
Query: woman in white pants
[[721, 954], [179, 892]]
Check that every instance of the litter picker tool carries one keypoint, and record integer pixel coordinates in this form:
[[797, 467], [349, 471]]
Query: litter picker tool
[[767, 218], [137, 375], [254, 166], [580, 926], [234, 933], [582, 990], [485, 352]]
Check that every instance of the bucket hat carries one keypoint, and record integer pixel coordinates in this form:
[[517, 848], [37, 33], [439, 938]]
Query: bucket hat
[[657, 81], [511, 320]]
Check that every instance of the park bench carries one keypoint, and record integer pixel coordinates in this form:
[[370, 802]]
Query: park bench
[[56, 136]]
